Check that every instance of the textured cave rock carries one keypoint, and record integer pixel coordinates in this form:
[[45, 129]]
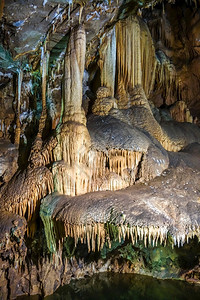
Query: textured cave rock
[[150, 211], [99, 127]]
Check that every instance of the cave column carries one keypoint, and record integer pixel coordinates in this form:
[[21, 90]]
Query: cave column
[[73, 76], [72, 174]]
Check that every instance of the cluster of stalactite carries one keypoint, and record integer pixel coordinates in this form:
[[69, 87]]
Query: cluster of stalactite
[[25, 190], [127, 53], [170, 146], [120, 160], [78, 168], [96, 235], [127, 57], [22, 194], [96, 171], [166, 78]]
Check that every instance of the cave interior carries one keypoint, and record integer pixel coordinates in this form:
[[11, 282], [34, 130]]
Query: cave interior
[[99, 141]]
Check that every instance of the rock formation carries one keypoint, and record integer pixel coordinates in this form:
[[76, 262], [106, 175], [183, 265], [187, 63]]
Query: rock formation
[[99, 139]]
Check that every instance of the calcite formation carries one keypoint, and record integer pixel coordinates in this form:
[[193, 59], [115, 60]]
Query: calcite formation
[[99, 136], [149, 212]]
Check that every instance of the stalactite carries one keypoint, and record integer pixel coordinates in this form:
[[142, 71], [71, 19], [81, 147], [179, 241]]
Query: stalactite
[[82, 225], [166, 77], [148, 59], [128, 54], [96, 235], [44, 68], [26, 189], [19, 86], [107, 61], [136, 61], [80, 13]]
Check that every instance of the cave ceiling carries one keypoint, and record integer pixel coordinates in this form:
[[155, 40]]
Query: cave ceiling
[[174, 26]]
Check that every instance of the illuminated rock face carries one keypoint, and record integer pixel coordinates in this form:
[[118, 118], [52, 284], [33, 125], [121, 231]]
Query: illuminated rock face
[[111, 171], [79, 168]]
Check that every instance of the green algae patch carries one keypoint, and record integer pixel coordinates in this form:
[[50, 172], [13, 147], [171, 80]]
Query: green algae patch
[[47, 207]]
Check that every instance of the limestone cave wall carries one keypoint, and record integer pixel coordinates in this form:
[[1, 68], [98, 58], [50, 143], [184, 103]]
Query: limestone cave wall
[[99, 140]]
